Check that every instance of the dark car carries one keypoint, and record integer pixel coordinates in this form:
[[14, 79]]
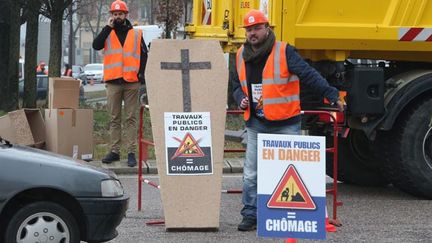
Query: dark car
[[46, 197], [42, 88], [41, 85]]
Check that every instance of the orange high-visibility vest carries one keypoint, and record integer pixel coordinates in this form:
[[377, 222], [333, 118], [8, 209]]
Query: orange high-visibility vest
[[122, 61], [280, 88]]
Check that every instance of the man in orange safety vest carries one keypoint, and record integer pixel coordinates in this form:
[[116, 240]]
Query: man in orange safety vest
[[267, 88], [125, 58]]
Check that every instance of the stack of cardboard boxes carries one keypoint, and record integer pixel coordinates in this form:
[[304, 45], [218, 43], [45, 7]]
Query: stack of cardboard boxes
[[67, 130]]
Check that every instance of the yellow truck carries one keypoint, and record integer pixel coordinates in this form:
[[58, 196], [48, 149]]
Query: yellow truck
[[379, 52]]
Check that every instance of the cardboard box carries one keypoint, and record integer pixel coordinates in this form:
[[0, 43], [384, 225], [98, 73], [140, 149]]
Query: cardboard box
[[25, 127], [70, 132], [63, 93]]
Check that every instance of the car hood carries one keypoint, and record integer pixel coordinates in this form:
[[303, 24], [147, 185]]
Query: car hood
[[93, 72], [30, 155]]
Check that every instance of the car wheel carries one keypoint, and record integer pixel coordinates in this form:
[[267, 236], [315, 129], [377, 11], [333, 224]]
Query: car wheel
[[42, 222]]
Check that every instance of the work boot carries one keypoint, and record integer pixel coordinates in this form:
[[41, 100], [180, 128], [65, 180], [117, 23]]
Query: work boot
[[247, 224], [111, 157], [131, 160]]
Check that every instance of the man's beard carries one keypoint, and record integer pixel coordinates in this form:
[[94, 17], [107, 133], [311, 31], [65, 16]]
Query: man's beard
[[119, 22]]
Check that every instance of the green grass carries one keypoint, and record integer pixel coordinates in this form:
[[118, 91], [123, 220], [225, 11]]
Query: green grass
[[101, 136], [95, 94], [2, 113]]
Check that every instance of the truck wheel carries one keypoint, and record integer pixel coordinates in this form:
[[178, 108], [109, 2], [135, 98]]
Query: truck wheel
[[409, 152], [42, 222], [357, 163]]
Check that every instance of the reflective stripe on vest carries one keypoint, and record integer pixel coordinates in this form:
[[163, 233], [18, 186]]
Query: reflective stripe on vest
[[122, 61], [280, 88]]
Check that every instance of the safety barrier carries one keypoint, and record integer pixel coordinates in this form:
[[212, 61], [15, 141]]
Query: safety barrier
[[144, 145]]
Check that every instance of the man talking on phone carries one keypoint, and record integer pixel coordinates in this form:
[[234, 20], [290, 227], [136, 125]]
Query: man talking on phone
[[125, 58]]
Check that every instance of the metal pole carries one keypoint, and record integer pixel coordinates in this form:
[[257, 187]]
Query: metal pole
[[140, 157]]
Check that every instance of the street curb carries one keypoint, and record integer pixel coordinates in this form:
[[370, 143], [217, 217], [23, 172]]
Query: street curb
[[149, 167]]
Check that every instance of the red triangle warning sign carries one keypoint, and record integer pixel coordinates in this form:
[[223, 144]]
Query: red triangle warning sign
[[291, 192], [188, 147]]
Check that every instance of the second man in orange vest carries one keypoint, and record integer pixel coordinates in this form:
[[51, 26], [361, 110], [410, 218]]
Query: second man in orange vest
[[125, 58], [267, 88]]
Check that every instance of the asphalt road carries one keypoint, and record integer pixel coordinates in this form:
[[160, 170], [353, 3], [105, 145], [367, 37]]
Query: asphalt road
[[368, 215]]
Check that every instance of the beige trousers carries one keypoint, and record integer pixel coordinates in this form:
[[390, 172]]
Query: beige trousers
[[116, 94]]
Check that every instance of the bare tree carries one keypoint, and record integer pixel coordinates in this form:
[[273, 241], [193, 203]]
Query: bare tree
[[9, 51], [92, 15], [75, 16], [134, 11], [168, 14], [71, 48], [30, 12], [54, 10]]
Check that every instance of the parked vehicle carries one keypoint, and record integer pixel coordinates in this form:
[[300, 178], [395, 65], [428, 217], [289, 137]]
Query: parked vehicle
[[150, 32], [94, 72], [389, 102], [78, 73], [41, 85], [51, 198]]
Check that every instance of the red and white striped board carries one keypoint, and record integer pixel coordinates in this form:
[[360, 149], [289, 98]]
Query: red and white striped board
[[415, 34]]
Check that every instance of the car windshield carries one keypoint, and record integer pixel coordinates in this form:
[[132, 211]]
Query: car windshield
[[93, 67]]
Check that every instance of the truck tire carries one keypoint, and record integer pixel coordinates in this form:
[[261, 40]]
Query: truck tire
[[357, 163], [409, 151]]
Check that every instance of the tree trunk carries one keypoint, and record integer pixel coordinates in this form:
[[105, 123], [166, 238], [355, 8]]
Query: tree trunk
[[30, 84], [71, 54], [98, 21], [152, 9], [4, 51], [9, 50], [56, 40], [167, 22]]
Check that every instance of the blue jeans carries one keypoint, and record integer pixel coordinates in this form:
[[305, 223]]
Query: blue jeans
[[250, 165]]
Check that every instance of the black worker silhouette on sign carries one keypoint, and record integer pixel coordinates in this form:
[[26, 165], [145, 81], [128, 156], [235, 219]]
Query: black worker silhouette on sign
[[285, 194]]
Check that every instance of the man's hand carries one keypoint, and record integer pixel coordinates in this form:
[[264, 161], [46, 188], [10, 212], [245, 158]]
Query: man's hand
[[244, 103], [143, 95], [111, 22]]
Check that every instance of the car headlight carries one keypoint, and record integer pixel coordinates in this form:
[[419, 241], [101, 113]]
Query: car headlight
[[111, 188]]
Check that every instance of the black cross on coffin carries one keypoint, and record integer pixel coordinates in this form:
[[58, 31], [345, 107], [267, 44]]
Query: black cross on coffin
[[185, 66]]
